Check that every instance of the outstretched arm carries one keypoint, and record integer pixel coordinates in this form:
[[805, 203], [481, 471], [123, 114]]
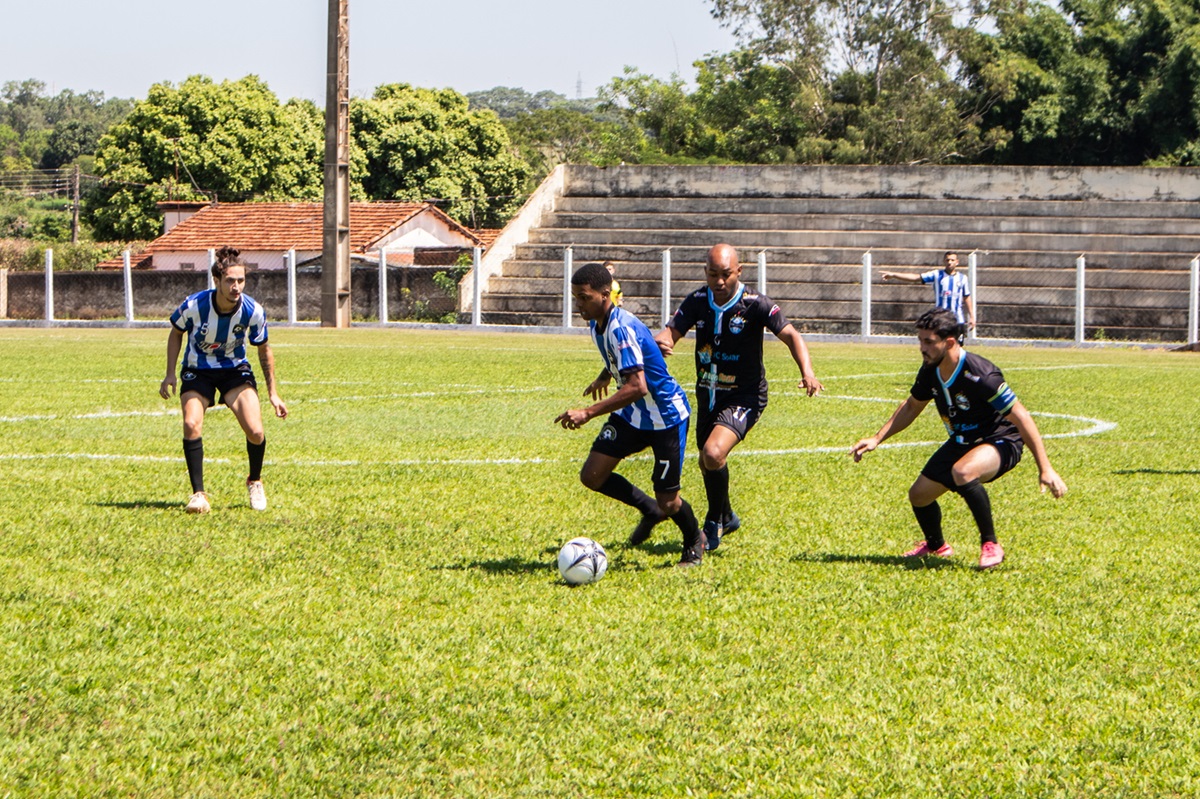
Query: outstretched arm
[[904, 415], [795, 344], [1047, 477], [268, 366], [903, 277]]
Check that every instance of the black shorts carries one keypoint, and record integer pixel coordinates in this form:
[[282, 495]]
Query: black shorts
[[619, 439], [738, 412], [939, 468], [207, 382]]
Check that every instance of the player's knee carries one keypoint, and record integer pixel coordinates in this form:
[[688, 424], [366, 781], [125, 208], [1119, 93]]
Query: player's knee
[[670, 505], [963, 474], [590, 479], [256, 437], [712, 459], [917, 497], [193, 428]]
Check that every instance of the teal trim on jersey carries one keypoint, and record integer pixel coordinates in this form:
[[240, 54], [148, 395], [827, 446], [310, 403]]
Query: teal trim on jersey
[[718, 318], [1004, 399], [947, 383]]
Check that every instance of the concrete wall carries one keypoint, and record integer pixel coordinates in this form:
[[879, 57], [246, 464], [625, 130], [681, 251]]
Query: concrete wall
[[928, 182], [101, 295]]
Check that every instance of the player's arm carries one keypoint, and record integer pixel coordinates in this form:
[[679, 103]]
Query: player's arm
[[795, 344], [630, 392], [666, 340], [174, 344], [904, 415], [598, 388], [267, 359], [1047, 477], [969, 304], [903, 277]]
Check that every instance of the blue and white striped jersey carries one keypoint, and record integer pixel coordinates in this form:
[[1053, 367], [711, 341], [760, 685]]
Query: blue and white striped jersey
[[949, 290], [218, 341], [627, 346]]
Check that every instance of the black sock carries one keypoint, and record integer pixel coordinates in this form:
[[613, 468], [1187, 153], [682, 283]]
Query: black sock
[[193, 455], [716, 486], [930, 520], [685, 520], [256, 453], [622, 490], [976, 497]]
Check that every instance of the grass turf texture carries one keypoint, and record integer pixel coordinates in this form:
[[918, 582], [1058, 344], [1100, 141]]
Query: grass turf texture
[[394, 624]]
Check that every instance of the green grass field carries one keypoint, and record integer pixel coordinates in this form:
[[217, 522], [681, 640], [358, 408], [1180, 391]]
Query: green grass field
[[394, 624]]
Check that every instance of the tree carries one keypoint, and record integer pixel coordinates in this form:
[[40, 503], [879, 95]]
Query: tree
[[203, 140], [553, 136], [425, 144]]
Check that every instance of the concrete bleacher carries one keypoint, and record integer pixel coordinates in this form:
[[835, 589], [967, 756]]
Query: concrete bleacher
[[1138, 229]]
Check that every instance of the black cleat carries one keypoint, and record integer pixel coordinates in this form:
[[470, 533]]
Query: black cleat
[[694, 554], [731, 523], [641, 533], [712, 536]]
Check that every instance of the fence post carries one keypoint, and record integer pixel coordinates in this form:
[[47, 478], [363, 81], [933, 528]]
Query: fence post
[[568, 270], [289, 259], [1080, 304], [49, 285], [212, 259], [866, 295], [762, 272], [476, 287], [127, 273], [972, 283], [1193, 300], [666, 287], [383, 287], [4, 293]]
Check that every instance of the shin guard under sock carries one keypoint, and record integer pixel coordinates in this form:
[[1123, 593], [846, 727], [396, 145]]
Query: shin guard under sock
[[685, 520], [624, 491], [976, 497], [716, 487], [193, 455], [256, 453], [930, 520]]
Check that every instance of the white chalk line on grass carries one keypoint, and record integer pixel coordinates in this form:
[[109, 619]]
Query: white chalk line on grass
[[1097, 426]]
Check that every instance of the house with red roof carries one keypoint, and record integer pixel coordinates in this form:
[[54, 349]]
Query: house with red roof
[[265, 231]]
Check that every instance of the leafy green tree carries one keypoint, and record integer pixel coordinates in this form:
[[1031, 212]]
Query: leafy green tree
[[555, 136], [204, 140], [664, 109], [425, 144]]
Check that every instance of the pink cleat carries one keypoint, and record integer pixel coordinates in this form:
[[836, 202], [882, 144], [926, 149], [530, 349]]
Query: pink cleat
[[922, 550], [991, 554]]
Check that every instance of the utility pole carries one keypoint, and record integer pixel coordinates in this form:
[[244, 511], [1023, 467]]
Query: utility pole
[[335, 258]]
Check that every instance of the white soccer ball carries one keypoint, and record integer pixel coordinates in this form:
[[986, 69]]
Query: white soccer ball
[[582, 560]]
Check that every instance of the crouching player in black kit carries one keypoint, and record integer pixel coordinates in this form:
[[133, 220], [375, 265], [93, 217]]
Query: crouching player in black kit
[[987, 425], [731, 383]]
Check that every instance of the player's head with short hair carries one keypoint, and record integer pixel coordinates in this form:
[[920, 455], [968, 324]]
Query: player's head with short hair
[[941, 322], [950, 259], [593, 275], [225, 258]]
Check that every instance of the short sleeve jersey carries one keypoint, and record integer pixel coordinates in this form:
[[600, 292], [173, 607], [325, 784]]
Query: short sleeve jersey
[[949, 290], [974, 403], [729, 340], [627, 346], [217, 340]]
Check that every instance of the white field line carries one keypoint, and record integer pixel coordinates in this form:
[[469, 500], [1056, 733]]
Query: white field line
[[1097, 426]]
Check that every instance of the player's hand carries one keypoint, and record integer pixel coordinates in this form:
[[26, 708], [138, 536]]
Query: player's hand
[[886, 276], [1050, 479], [811, 385], [280, 409], [167, 387], [598, 389], [863, 447], [665, 345], [574, 419]]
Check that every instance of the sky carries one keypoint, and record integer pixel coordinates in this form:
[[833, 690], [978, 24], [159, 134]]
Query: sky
[[566, 46]]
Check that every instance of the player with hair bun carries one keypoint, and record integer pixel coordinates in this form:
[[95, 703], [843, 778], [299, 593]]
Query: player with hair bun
[[218, 322]]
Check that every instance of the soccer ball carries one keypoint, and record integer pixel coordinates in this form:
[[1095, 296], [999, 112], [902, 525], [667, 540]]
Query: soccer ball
[[582, 560]]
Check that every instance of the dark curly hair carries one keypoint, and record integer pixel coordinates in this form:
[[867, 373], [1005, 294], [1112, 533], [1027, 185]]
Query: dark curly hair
[[225, 258]]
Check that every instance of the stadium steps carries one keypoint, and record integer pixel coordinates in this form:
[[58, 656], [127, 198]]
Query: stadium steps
[[1137, 255]]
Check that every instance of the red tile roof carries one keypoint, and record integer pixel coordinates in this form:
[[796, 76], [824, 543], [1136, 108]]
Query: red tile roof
[[487, 235]]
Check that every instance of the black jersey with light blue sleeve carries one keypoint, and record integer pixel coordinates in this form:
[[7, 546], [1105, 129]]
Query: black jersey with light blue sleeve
[[217, 340], [974, 403], [627, 346]]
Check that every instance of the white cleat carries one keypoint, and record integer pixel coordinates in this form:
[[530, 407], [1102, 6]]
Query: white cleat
[[258, 497], [198, 503]]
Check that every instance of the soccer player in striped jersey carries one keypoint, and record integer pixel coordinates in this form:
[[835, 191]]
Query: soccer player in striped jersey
[[951, 289], [218, 322], [988, 427], [648, 409]]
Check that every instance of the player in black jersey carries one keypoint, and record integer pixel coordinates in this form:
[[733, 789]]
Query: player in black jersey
[[987, 426], [731, 383]]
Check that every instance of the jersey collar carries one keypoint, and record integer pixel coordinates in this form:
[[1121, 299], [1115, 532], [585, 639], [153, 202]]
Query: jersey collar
[[737, 295]]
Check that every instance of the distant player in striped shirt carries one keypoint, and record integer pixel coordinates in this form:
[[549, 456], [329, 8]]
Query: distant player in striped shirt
[[648, 409], [218, 323], [951, 289]]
